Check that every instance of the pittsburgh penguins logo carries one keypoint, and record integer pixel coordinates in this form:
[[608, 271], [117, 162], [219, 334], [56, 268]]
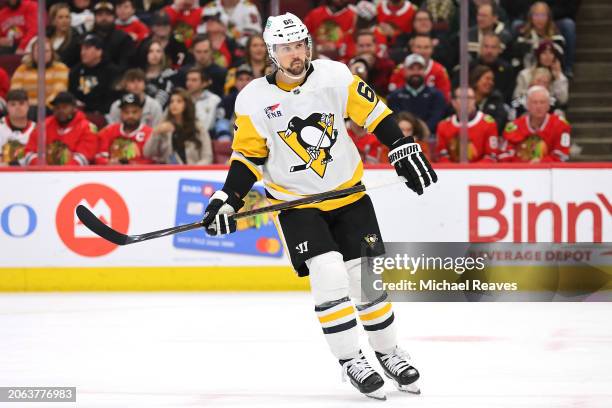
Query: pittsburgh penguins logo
[[311, 139]]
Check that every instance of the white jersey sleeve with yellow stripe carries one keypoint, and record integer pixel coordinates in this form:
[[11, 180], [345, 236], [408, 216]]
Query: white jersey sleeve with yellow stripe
[[363, 105]]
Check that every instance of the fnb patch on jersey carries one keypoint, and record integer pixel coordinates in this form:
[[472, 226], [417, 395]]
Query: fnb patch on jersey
[[273, 111]]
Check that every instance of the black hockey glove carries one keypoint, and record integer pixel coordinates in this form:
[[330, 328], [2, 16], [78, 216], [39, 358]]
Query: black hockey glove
[[410, 162], [218, 218]]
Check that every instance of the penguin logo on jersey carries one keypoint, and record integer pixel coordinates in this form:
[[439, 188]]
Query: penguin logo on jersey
[[311, 139]]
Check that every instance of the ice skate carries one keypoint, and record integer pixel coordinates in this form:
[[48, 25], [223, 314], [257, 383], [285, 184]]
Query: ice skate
[[397, 367], [363, 377]]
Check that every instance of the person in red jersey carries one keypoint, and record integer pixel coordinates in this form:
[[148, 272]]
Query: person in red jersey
[[15, 128], [537, 136], [482, 134], [17, 25], [435, 73], [128, 22], [330, 24], [70, 137], [123, 142], [185, 17], [398, 14]]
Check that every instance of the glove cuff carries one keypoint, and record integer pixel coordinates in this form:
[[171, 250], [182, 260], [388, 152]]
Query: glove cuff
[[232, 199], [402, 149]]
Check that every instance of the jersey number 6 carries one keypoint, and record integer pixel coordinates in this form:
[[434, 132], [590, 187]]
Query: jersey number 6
[[365, 91]]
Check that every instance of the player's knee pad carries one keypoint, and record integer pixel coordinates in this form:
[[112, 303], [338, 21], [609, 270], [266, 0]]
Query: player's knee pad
[[353, 268], [328, 277]]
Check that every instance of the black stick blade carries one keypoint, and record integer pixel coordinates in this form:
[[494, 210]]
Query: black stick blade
[[99, 228]]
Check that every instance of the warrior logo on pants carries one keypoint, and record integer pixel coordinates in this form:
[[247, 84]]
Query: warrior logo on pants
[[311, 139]]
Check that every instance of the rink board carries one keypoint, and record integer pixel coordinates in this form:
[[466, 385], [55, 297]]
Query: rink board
[[43, 247]]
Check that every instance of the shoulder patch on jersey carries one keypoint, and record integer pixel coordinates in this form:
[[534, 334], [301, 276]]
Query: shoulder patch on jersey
[[510, 127], [489, 118]]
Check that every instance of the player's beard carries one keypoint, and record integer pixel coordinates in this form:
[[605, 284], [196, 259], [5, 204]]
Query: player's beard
[[296, 67]]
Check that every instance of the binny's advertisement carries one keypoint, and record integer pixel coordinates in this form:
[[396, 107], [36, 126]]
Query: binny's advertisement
[[38, 226]]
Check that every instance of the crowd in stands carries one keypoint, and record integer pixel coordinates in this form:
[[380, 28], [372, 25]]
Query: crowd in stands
[[155, 81]]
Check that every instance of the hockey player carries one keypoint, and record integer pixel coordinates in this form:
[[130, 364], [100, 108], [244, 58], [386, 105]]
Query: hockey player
[[290, 131]]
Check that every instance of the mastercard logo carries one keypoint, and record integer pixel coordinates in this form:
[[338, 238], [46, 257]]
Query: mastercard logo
[[268, 245]]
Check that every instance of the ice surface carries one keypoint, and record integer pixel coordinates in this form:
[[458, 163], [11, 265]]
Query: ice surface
[[134, 350]]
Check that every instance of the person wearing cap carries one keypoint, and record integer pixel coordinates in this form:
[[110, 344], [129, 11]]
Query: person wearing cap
[[92, 80], [15, 128], [223, 127], [123, 142], [118, 46], [128, 22], [161, 31], [426, 102], [26, 75], [70, 137], [134, 81], [547, 56], [18, 26]]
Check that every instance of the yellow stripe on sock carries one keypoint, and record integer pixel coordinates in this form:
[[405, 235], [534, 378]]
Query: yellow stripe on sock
[[336, 315], [375, 314]]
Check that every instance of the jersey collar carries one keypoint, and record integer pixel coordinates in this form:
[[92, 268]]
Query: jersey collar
[[271, 78]]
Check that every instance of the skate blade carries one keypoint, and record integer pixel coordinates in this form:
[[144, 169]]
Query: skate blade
[[379, 394], [409, 388]]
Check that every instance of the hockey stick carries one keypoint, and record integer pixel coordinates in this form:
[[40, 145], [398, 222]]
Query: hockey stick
[[101, 229], [301, 167]]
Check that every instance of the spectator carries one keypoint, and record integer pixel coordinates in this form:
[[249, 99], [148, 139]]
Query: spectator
[[134, 82], [185, 17], [244, 75], [241, 17], [160, 77], [426, 102], [482, 134], [17, 25], [380, 68], [443, 52], [395, 17], [225, 50], [543, 77], [490, 51], [64, 38], [360, 67], [128, 22], [202, 54], [92, 80], [547, 56], [118, 46], [564, 12], [540, 26], [537, 136], [26, 75], [410, 125], [329, 25], [435, 74], [488, 99], [371, 150], [123, 142], [15, 128], [487, 19], [161, 31], [82, 18], [70, 137], [180, 139], [206, 103], [256, 58], [149, 6]]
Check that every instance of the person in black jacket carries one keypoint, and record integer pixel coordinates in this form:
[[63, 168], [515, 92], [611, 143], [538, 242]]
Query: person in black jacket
[[92, 80], [161, 31], [202, 53], [64, 38], [488, 99], [118, 46]]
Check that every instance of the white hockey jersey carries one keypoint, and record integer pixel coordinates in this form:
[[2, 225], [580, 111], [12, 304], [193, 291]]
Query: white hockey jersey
[[296, 140], [13, 142]]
